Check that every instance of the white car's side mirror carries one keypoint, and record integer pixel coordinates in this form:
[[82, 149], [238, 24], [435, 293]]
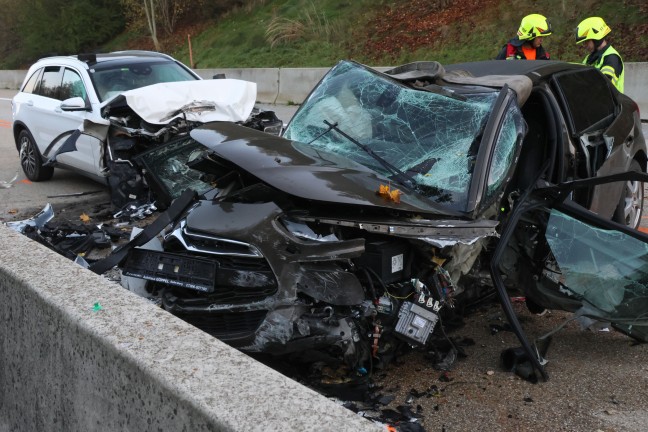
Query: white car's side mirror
[[74, 104]]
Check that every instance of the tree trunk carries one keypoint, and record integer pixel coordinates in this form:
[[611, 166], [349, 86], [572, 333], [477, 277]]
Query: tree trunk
[[149, 8]]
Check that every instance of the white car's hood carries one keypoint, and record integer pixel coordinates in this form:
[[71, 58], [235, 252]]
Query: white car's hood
[[201, 101]]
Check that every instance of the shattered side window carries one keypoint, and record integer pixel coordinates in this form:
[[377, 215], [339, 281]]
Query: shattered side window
[[510, 134], [607, 270], [168, 164], [432, 137]]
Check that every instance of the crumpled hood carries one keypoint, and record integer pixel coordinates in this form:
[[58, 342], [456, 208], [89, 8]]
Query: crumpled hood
[[299, 170], [200, 101]]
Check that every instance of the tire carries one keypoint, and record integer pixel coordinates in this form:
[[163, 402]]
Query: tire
[[630, 207], [31, 159]]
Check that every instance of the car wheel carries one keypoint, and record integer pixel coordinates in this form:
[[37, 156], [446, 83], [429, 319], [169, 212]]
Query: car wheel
[[31, 159], [630, 206]]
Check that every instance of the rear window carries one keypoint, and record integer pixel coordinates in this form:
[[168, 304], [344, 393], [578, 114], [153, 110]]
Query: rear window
[[587, 96], [31, 82], [50, 84]]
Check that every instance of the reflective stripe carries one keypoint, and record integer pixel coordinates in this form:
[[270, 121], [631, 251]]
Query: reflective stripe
[[608, 70], [617, 81]]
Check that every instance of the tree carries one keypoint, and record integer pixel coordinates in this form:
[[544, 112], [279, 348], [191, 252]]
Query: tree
[[149, 9], [9, 39], [154, 14], [64, 26]]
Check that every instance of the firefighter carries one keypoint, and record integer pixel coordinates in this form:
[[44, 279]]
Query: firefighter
[[591, 33], [527, 45]]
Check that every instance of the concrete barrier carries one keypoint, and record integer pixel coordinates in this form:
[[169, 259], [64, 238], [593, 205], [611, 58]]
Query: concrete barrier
[[296, 83], [12, 79], [292, 85], [81, 353], [267, 80], [636, 85]]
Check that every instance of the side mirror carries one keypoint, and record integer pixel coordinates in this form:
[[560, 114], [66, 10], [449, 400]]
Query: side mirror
[[74, 104]]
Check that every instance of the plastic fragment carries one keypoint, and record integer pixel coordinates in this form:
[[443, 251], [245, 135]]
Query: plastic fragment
[[386, 192], [97, 307], [8, 184]]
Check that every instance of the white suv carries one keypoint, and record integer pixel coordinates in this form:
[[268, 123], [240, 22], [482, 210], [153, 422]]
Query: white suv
[[59, 94]]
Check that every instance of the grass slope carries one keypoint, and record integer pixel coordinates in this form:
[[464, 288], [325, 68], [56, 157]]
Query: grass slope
[[309, 33]]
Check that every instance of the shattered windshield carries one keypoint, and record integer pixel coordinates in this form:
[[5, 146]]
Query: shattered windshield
[[607, 270], [431, 138]]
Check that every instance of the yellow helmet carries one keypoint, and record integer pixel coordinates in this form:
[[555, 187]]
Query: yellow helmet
[[591, 28], [532, 26]]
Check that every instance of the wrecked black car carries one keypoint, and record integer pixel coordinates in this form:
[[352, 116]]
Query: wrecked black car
[[392, 201]]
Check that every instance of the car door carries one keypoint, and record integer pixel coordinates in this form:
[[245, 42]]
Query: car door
[[598, 129], [88, 149], [39, 107], [563, 256], [51, 126]]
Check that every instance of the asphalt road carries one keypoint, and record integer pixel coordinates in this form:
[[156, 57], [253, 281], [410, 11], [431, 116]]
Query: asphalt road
[[599, 380]]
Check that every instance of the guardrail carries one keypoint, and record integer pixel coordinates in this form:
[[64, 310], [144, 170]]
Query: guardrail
[[292, 85], [81, 353]]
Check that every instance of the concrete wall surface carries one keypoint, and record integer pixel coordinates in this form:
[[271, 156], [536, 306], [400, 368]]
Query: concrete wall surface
[[68, 365], [292, 85], [636, 85]]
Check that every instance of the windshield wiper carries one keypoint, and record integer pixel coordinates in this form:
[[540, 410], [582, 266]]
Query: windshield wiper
[[330, 127], [402, 178]]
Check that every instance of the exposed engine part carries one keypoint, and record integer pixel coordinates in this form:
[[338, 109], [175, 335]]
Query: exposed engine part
[[387, 259], [416, 321]]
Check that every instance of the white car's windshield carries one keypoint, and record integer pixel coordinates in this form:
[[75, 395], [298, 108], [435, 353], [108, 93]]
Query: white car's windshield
[[111, 80]]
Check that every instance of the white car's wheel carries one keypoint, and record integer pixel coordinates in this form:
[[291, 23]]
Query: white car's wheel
[[31, 160]]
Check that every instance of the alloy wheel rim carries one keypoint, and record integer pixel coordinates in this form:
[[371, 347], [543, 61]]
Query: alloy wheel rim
[[633, 201], [27, 157]]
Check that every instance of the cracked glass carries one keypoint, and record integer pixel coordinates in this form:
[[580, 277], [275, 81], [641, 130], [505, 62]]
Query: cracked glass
[[168, 164], [606, 270], [431, 137], [510, 135]]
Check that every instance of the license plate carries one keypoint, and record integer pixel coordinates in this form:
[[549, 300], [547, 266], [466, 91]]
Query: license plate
[[173, 269]]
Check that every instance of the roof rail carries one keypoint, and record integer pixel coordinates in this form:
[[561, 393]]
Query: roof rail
[[139, 53]]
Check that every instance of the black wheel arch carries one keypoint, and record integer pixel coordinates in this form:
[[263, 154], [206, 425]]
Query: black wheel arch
[[18, 127]]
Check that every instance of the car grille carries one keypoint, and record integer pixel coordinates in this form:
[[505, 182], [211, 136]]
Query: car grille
[[241, 277], [196, 241], [237, 328]]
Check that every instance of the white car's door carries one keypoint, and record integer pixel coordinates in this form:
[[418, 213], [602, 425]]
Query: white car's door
[[87, 153], [51, 126]]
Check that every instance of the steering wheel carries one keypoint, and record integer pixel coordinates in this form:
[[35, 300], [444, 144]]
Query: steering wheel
[[118, 84]]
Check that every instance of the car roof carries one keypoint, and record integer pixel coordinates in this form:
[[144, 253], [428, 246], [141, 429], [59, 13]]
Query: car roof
[[536, 70], [123, 57]]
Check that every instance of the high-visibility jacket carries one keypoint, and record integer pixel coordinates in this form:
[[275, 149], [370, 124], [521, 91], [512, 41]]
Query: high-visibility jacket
[[513, 51], [601, 61]]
